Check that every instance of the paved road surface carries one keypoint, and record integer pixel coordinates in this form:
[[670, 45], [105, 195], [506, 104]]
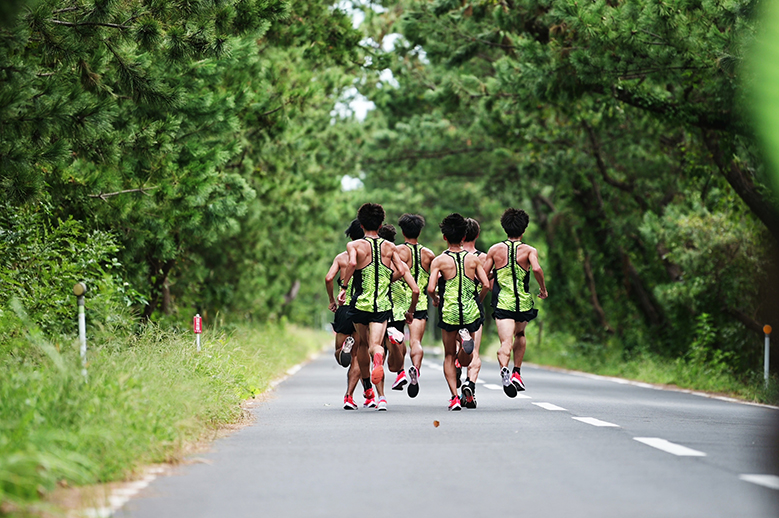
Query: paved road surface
[[575, 446]]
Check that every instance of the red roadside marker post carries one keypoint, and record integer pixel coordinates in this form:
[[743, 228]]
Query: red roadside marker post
[[197, 325]]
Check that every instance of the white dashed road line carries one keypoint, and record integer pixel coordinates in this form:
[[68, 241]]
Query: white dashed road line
[[669, 447], [769, 481], [596, 422], [550, 406]]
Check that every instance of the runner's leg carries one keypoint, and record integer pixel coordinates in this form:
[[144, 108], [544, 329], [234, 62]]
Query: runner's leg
[[475, 366], [450, 351], [417, 331], [520, 343], [376, 332], [506, 329]]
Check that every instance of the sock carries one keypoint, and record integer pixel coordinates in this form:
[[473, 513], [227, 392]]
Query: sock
[[516, 369], [473, 386], [366, 384]]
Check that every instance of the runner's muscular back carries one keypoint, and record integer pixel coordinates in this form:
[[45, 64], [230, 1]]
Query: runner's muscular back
[[448, 268], [360, 253], [497, 257], [426, 255]]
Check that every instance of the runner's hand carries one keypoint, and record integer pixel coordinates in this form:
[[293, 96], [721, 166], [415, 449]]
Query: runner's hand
[[409, 317], [434, 300], [333, 306], [342, 297], [543, 294]]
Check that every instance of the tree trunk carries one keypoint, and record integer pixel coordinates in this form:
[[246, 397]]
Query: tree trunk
[[742, 183], [159, 271]]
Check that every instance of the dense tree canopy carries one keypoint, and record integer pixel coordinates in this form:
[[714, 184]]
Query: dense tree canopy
[[196, 150]]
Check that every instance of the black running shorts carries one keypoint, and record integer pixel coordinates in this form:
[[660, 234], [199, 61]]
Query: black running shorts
[[420, 314], [397, 324], [368, 317], [516, 316], [342, 323], [472, 327]]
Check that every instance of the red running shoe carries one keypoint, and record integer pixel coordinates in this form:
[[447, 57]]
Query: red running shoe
[[400, 381], [370, 399], [454, 403], [516, 380], [377, 376], [349, 403]]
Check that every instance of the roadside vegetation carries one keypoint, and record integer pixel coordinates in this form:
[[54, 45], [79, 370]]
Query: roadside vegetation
[[147, 396]]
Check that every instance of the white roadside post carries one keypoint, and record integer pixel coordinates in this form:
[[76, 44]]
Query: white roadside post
[[197, 325], [79, 290], [767, 330]]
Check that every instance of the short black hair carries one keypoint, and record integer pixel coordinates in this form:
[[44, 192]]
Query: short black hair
[[371, 216], [411, 225], [514, 222], [388, 232], [453, 228], [472, 229], [355, 230]]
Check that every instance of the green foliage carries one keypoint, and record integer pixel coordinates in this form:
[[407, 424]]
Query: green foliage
[[42, 260], [621, 127]]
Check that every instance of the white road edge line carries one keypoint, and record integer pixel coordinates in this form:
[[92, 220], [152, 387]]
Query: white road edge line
[[596, 422], [550, 406], [769, 481], [669, 447]]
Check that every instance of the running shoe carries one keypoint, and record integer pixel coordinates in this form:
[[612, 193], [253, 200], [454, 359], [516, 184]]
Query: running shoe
[[346, 352], [400, 381], [370, 399], [382, 404], [516, 380], [458, 371], [454, 403], [467, 397], [396, 336], [467, 341], [413, 386], [508, 387], [349, 403], [377, 376]]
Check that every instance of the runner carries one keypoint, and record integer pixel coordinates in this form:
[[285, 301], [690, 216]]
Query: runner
[[401, 299], [418, 259], [456, 298], [345, 335], [468, 397], [512, 303], [370, 261]]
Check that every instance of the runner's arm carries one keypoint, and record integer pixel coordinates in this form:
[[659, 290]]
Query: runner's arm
[[431, 286], [538, 273], [346, 274], [329, 278], [414, 295]]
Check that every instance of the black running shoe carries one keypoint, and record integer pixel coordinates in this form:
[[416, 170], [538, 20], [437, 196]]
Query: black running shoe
[[413, 382], [346, 352], [468, 342], [466, 399], [508, 387]]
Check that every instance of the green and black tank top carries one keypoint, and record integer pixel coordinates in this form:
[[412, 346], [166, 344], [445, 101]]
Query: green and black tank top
[[421, 276], [458, 306], [401, 299], [512, 283], [371, 285]]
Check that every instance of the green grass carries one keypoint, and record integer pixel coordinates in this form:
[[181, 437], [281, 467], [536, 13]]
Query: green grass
[[704, 369], [147, 396]]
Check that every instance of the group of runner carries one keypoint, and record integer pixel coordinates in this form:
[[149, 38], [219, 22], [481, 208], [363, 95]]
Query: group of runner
[[381, 291]]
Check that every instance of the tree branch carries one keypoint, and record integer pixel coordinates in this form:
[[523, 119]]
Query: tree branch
[[82, 24], [423, 155], [105, 195]]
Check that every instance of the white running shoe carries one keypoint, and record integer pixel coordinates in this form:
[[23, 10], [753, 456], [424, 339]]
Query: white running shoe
[[395, 336], [382, 404]]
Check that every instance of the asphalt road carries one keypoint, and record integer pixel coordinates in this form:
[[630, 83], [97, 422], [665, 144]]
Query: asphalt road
[[574, 446]]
